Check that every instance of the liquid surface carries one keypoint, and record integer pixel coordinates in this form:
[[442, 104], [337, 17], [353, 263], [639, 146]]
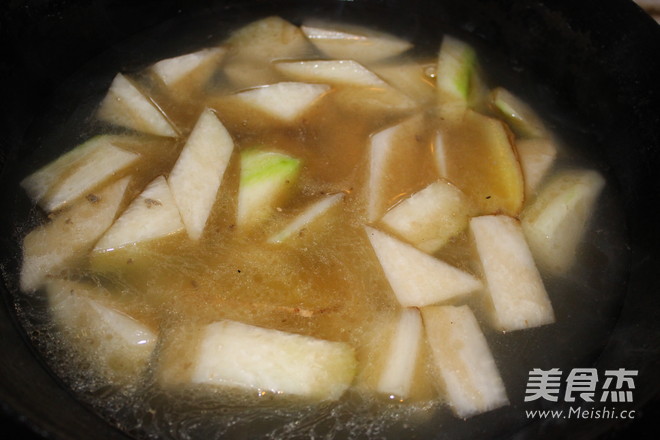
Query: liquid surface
[[325, 282]]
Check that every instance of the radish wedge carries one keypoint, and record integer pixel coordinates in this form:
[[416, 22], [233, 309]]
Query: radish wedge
[[361, 47], [269, 39], [233, 354], [417, 278], [116, 343], [556, 221], [454, 70], [517, 113], [285, 101], [126, 106], [464, 364], [79, 171], [345, 72], [308, 216], [153, 214], [516, 294], [396, 155], [430, 217], [71, 233], [199, 64], [397, 377], [409, 78], [477, 155], [266, 178], [198, 172], [536, 158]]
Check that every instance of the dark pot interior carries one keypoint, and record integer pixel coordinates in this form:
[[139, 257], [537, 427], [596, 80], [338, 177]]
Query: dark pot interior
[[592, 66]]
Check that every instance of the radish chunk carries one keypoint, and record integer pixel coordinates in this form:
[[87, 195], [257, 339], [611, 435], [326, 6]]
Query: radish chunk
[[116, 344], [153, 214], [516, 296], [396, 161], [266, 179], [268, 39], [417, 278], [410, 78], [285, 101], [309, 215], [345, 72], [198, 172], [517, 113], [71, 233], [77, 172], [476, 153], [430, 217], [556, 222], [397, 376], [536, 158], [233, 354], [126, 106], [464, 365], [355, 45], [455, 68], [199, 64]]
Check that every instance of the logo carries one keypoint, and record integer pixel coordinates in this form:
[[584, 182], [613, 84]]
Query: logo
[[581, 385]]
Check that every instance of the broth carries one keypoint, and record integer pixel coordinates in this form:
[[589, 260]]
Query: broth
[[325, 282]]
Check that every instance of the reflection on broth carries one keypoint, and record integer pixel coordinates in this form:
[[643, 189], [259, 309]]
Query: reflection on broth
[[298, 232]]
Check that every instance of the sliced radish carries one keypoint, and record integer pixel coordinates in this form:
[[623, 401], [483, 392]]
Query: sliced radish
[[266, 179], [464, 364], [70, 233], [555, 223], [233, 354], [417, 278], [514, 287], [430, 217], [285, 101], [153, 214], [79, 171], [198, 172], [308, 216], [397, 376], [126, 106], [201, 63]]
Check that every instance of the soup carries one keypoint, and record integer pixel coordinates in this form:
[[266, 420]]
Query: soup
[[311, 227]]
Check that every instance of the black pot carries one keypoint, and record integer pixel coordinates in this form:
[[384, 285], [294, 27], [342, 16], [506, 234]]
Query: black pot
[[592, 66]]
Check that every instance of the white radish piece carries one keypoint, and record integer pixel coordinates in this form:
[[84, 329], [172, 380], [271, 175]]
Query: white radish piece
[[430, 217], [118, 345], [153, 214], [267, 178], [398, 374], [126, 106], [536, 157], [517, 113], [285, 101], [344, 72], [515, 291], [308, 216], [72, 232], [201, 63], [79, 171], [417, 278], [362, 47], [464, 365], [198, 172], [555, 223], [234, 354]]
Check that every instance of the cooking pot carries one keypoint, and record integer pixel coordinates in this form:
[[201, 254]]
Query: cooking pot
[[591, 66]]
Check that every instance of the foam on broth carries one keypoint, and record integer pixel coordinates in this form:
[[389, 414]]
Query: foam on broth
[[326, 283]]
